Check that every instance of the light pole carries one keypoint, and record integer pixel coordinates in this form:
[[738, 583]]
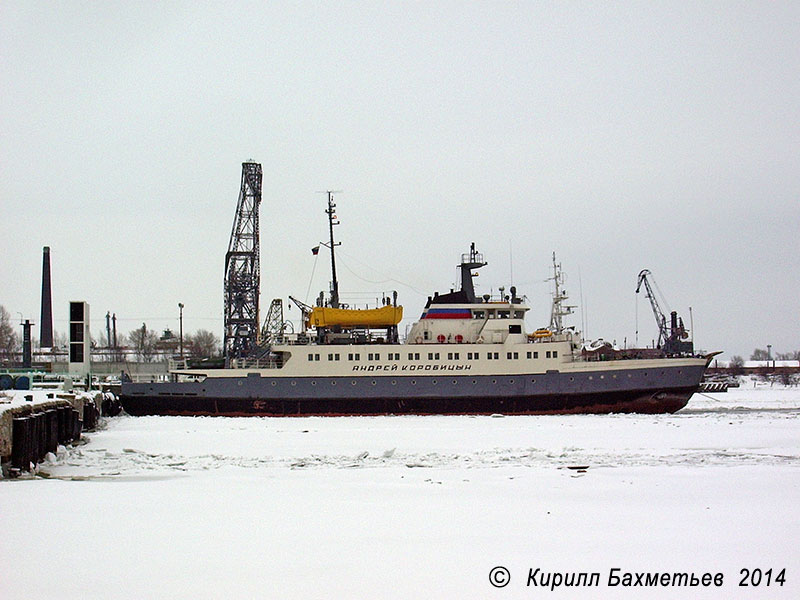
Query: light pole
[[769, 355], [180, 307]]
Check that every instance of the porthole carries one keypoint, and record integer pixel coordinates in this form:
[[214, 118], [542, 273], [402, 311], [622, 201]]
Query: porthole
[[602, 376], [373, 382], [629, 375], [273, 383], [454, 382], [313, 383], [353, 382], [533, 381], [494, 380], [294, 383], [474, 382], [413, 382], [433, 382], [333, 382], [394, 382], [614, 376], [511, 381], [591, 377], [238, 383], [572, 379]]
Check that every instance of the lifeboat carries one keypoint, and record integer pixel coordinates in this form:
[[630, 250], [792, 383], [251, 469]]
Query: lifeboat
[[385, 316], [540, 334]]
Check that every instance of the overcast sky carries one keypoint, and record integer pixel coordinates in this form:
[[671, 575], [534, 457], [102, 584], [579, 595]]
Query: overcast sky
[[622, 136]]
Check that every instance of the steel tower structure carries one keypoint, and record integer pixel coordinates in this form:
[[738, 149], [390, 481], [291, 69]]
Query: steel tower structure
[[242, 270]]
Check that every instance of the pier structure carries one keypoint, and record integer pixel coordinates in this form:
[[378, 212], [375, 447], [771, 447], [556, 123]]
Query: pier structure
[[35, 423]]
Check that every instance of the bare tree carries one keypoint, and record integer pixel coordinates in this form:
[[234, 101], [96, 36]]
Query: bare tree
[[736, 365], [144, 342], [9, 340], [202, 344], [759, 354], [60, 340]]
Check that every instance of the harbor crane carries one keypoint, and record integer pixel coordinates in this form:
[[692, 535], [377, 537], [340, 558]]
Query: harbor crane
[[672, 339], [242, 270]]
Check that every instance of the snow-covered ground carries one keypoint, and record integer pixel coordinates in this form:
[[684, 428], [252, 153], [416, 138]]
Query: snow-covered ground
[[413, 507]]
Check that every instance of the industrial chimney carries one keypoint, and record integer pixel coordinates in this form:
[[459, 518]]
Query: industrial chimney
[[46, 322]]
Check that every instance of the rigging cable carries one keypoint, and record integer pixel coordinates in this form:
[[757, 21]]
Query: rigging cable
[[311, 280], [411, 287]]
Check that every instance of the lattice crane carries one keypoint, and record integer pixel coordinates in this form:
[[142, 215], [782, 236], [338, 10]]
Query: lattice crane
[[242, 269]]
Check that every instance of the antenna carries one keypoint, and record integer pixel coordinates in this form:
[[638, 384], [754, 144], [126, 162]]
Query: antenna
[[330, 211], [583, 308], [558, 310], [510, 262]]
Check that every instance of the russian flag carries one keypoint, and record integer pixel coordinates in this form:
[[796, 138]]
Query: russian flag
[[447, 313]]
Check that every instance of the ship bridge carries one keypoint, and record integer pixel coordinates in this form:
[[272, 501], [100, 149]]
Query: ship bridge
[[490, 322]]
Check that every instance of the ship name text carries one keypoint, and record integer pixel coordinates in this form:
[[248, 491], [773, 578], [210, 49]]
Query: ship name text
[[421, 367]]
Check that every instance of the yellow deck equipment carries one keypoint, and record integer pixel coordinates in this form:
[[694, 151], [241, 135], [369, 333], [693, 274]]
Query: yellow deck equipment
[[385, 316]]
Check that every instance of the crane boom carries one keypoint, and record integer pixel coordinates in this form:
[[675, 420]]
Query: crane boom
[[670, 338], [661, 320]]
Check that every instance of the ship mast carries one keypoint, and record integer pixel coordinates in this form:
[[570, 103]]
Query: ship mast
[[331, 222], [558, 310]]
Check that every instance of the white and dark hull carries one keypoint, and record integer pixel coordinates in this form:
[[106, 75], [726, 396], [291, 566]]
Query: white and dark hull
[[655, 386]]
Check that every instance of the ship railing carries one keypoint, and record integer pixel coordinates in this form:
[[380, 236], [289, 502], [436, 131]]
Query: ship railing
[[149, 377], [255, 363], [177, 364]]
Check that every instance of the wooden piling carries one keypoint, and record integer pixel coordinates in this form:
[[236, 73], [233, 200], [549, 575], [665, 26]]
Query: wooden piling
[[52, 430], [40, 436], [21, 443], [89, 416]]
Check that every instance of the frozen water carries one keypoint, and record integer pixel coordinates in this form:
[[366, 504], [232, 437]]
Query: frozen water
[[398, 507]]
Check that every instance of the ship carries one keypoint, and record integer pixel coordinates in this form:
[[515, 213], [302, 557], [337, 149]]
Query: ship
[[465, 355]]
